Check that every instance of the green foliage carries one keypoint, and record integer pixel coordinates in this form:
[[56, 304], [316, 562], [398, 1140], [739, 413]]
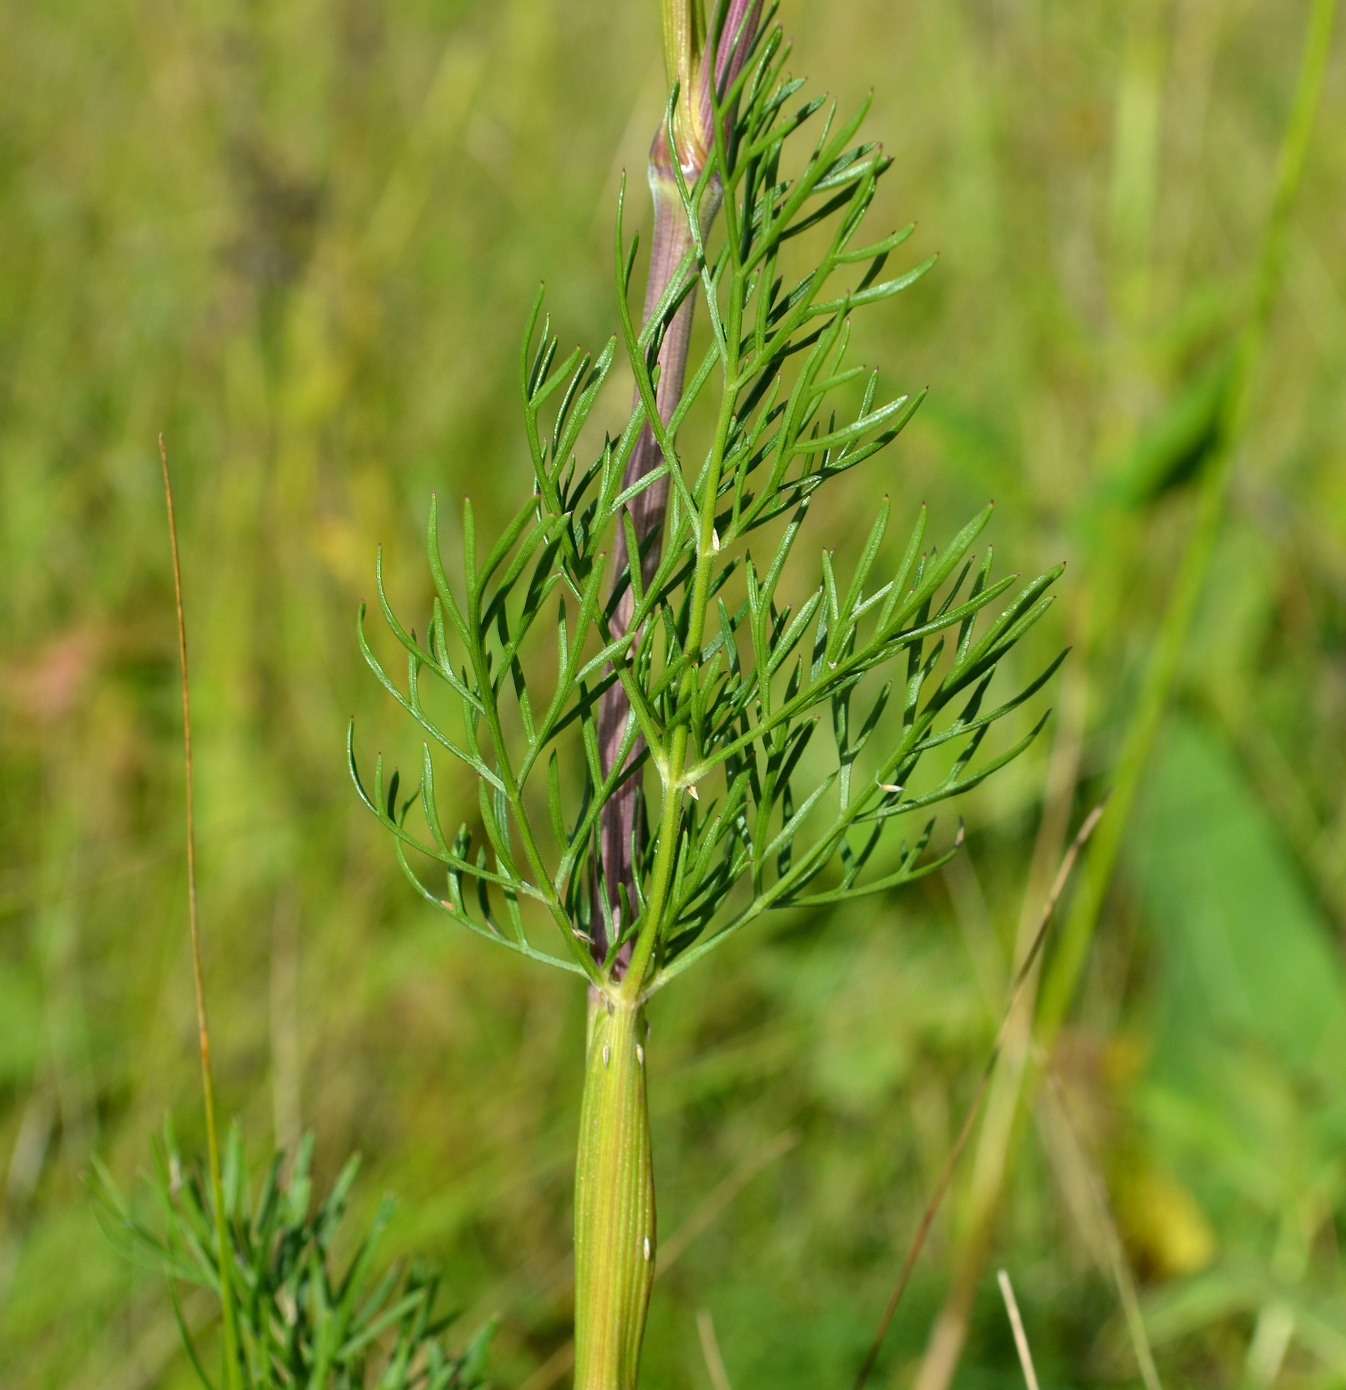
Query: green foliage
[[304, 1319], [1248, 1100], [300, 239], [726, 682]]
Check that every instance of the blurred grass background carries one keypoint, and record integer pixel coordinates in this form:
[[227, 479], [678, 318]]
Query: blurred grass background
[[300, 237]]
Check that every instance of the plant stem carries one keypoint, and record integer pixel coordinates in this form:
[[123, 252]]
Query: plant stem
[[233, 1368], [673, 791], [1068, 963], [687, 65], [614, 1202], [1005, 1119], [683, 40], [614, 1179], [672, 241]]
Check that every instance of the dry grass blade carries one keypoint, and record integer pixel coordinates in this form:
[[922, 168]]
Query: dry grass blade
[[942, 1185], [1017, 1324], [553, 1369], [719, 1198], [194, 920], [1119, 1267], [710, 1349]]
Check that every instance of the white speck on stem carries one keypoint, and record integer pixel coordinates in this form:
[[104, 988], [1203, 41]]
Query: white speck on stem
[[648, 1252], [640, 1054], [607, 1053]]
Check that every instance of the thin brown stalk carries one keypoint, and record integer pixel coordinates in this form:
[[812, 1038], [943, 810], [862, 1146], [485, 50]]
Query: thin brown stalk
[[951, 1163], [232, 1365]]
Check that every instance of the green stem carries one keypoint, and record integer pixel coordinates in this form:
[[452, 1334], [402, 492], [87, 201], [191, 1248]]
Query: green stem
[[1019, 1077], [614, 1202], [614, 1180], [673, 790], [1068, 963]]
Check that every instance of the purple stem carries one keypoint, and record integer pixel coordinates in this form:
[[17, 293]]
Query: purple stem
[[619, 826]]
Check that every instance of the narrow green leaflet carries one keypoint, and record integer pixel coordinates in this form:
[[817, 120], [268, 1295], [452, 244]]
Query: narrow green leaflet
[[306, 1318]]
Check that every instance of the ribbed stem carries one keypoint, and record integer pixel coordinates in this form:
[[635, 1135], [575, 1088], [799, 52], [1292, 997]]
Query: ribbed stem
[[614, 1202]]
